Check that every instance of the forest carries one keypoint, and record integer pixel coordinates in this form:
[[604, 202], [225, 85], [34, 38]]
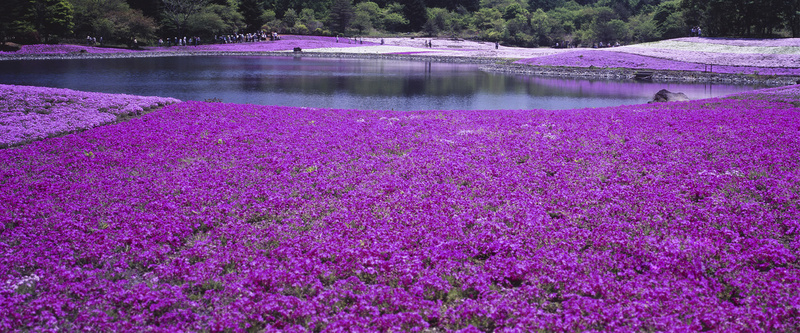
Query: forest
[[528, 23]]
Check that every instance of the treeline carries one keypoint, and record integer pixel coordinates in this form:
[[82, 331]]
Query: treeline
[[512, 22]]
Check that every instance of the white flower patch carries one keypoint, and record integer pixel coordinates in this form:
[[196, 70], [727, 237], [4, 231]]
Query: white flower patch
[[372, 49], [729, 173], [547, 125], [718, 48], [360, 120], [468, 132], [25, 285]]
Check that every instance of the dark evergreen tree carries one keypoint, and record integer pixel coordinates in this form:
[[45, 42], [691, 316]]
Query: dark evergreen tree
[[766, 18], [545, 4], [9, 12], [47, 18], [340, 15], [670, 21], [252, 11], [469, 5], [744, 18], [150, 8], [416, 13], [178, 12], [791, 16]]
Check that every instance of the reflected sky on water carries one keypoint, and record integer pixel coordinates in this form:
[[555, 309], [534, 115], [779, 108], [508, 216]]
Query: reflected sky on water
[[339, 83]]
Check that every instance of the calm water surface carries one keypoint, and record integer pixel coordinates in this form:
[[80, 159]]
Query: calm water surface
[[339, 83]]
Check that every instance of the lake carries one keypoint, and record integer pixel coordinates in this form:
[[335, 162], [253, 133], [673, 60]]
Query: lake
[[339, 83]]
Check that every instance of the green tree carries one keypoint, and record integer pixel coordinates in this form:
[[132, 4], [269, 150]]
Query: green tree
[[563, 19], [272, 23], [518, 24], [133, 24], [545, 5], [215, 19], [669, 20], [178, 12], [451, 5], [367, 15], [791, 16], [438, 19], [308, 18], [361, 21], [459, 20], [8, 12], [150, 8], [416, 12], [514, 10], [113, 20], [488, 19], [289, 18], [393, 19], [252, 11], [46, 17], [605, 26], [341, 14], [643, 28], [541, 27]]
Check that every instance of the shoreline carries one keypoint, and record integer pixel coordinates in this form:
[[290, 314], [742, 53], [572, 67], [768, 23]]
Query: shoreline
[[664, 76], [489, 64]]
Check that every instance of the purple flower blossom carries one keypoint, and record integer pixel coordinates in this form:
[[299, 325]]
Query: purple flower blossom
[[287, 43], [32, 113], [63, 49], [771, 42], [215, 217], [611, 59]]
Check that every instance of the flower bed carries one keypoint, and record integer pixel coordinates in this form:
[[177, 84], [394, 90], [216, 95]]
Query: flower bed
[[31, 113], [775, 53], [757, 60], [612, 59], [287, 43], [214, 217], [747, 42], [64, 49]]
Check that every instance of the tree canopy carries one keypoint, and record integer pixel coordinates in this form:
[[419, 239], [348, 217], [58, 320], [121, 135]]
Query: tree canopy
[[512, 22]]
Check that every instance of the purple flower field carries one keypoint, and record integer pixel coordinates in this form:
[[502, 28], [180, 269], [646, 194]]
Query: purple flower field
[[32, 113], [744, 63], [611, 59], [222, 217], [287, 43], [771, 42], [63, 49]]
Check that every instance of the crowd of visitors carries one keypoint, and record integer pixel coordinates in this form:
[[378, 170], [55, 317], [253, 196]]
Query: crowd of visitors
[[175, 41], [247, 38], [91, 41], [220, 39]]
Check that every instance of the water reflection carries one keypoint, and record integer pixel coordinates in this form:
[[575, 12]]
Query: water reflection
[[338, 83]]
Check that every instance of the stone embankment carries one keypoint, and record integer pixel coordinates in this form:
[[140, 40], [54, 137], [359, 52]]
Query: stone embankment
[[629, 74]]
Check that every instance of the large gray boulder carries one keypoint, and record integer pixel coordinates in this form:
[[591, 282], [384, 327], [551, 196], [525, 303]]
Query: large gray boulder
[[665, 95]]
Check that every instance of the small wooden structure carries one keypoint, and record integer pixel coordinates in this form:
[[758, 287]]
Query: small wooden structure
[[643, 76]]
